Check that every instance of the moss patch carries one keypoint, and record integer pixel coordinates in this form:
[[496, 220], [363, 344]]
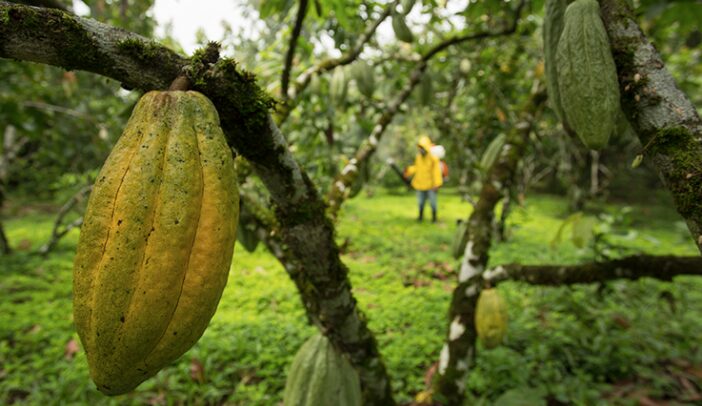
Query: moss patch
[[143, 51], [684, 176]]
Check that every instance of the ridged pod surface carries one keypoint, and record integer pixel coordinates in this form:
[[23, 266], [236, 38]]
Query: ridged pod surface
[[490, 318], [587, 76], [319, 376], [552, 29], [157, 240]]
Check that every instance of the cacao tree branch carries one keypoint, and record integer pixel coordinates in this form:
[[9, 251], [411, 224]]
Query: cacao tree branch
[[297, 29], [342, 182], [459, 350], [663, 117], [303, 80], [44, 3], [458, 39], [631, 267], [60, 229], [56, 38]]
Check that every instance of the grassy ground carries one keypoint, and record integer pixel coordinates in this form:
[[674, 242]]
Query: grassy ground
[[620, 343]]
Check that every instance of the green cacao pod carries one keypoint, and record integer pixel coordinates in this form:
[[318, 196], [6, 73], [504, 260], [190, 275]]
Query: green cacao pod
[[338, 86], [491, 318], [552, 29], [157, 240], [402, 31], [426, 89], [587, 76], [321, 376], [365, 80]]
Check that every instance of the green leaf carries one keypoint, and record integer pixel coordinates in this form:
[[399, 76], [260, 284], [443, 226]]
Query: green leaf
[[637, 161]]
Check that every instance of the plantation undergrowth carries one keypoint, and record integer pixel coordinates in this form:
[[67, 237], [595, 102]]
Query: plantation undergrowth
[[617, 343]]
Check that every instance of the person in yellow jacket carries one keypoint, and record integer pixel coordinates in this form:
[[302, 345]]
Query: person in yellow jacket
[[426, 177]]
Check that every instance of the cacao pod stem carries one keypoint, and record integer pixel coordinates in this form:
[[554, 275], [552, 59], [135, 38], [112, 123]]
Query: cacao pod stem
[[180, 83]]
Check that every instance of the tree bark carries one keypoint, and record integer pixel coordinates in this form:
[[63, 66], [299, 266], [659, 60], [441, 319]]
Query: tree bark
[[632, 267], [459, 350], [664, 119], [56, 38]]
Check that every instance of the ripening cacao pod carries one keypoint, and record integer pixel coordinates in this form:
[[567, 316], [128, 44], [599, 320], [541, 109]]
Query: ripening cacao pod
[[587, 76], [157, 240], [552, 29], [320, 375], [490, 318], [402, 31]]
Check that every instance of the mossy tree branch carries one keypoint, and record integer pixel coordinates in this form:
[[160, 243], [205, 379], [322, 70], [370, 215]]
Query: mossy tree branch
[[43, 3], [664, 119], [342, 183], [631, 267], [56, 38], [459, 350]]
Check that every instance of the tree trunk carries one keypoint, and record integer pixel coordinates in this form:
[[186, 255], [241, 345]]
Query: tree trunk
[[664, 119], [459, 350]]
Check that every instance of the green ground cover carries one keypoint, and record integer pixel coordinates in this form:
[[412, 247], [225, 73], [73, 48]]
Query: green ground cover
[[610, 344]]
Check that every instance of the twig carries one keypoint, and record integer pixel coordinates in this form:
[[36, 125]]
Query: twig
[[60, 230], [297, 29]]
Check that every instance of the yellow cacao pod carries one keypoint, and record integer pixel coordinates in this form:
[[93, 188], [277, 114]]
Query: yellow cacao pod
[[157, 240], [490, 318]]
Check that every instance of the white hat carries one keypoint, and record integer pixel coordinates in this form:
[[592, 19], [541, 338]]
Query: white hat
[[438, 151]]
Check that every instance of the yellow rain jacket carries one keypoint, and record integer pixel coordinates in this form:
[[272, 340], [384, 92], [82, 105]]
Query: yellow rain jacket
[[426, 168]]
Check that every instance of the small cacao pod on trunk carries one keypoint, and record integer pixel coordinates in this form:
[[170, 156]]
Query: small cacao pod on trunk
[[491, 318]]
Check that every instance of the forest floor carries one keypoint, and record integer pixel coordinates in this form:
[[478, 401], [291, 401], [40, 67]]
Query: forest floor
[[618, 343]]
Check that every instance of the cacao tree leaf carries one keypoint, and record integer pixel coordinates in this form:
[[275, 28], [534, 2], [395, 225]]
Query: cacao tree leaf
[[492, 151], [402, 31], [637, 161]]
